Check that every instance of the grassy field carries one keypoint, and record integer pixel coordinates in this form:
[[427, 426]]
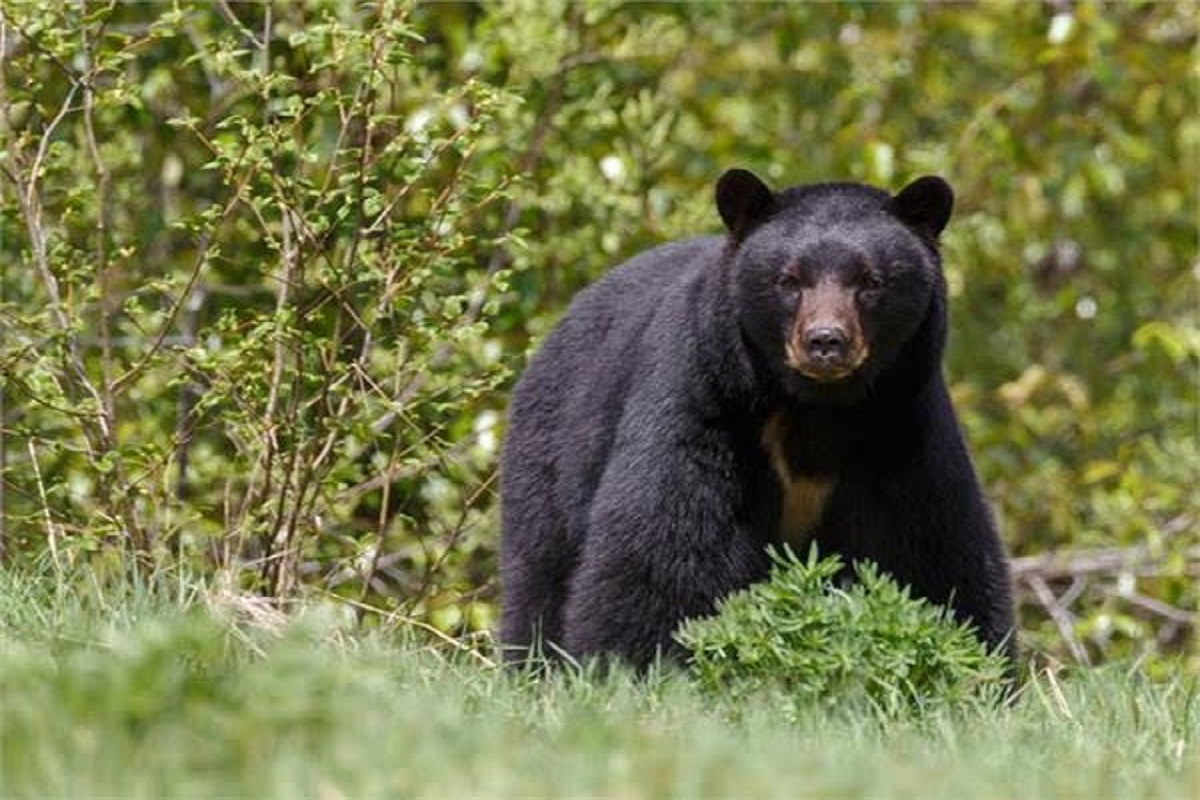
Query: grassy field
[[188, 694]]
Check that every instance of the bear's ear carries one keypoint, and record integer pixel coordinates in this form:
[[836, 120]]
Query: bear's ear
[[743, 200], [924, 205]]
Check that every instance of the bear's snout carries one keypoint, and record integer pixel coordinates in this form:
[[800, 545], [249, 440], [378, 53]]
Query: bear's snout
[[826, 341]]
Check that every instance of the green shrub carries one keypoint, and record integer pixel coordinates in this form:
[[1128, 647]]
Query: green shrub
[[801, 631]]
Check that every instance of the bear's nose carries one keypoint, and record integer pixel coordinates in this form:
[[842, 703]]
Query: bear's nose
[[826, 343]]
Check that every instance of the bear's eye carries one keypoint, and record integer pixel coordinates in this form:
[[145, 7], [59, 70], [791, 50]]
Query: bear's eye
[[788, 282], [870, 283]]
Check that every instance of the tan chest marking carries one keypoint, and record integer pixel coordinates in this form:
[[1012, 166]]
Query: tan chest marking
[[803, 497]]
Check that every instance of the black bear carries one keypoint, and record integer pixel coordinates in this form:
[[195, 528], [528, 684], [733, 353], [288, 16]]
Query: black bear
[[779, 384]]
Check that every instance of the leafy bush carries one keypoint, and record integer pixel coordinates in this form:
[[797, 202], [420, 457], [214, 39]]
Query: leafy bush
[[258, 268], [825, 643]]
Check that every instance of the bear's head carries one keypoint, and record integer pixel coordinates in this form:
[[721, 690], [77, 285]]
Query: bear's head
[[838, 285]]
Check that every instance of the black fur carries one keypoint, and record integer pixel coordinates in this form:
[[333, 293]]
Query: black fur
[[636, 489]]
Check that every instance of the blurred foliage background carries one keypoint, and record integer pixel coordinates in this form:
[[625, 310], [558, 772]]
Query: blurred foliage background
[[268, 270]]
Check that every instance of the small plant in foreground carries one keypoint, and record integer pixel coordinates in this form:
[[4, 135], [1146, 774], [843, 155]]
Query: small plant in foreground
[[820, 642]]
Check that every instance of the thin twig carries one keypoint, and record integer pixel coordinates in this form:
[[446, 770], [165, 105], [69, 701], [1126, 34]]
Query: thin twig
[[1159, 608], [396, 618], [1062, 618], [51, 528]]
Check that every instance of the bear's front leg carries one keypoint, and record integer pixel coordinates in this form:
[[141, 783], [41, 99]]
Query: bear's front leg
[[657, 551]]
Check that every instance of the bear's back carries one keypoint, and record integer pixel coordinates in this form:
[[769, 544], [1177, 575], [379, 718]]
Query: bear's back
[[566, 408], [603, 324], [625, 299]]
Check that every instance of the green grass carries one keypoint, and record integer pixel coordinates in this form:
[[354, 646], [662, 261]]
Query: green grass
[[177, 694]]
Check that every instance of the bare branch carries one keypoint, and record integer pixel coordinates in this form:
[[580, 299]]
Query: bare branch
[[1140, 560]]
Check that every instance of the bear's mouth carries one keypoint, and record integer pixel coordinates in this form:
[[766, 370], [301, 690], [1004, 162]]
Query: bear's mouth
[[825, 370]]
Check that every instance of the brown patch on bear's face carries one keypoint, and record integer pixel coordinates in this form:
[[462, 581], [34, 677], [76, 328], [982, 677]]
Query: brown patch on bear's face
[[825, 341]]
